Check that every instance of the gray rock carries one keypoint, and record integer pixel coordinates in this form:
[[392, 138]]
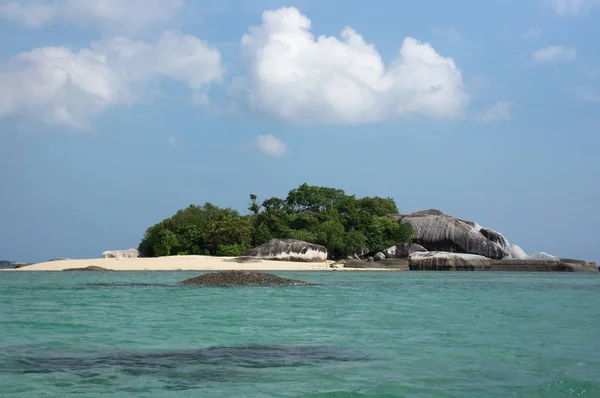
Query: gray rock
[[403, 250], [436, 231], [379, 256], [289, 250], [239, 278], [444, 261], [370, 259], [130, 253], [544, 256]]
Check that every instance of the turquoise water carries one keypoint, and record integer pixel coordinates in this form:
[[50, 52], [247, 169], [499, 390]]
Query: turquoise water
[[355, 334]]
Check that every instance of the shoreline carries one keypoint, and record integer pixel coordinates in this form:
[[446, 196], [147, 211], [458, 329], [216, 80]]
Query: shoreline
[[185, 263]]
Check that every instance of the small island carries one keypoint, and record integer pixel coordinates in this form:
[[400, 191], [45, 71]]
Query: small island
[[321, 228]]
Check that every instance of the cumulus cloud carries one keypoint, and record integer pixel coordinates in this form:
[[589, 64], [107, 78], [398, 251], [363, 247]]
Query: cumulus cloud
[[302, 79], [63, 87], [123, 14], [500, 111], [554, 54], [572, 7], [271, 145]]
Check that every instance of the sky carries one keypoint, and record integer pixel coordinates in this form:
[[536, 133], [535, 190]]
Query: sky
[[114, 114]]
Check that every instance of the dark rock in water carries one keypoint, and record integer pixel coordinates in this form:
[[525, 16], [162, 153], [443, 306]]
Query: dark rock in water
[[240, 278], [90, 268], [218, 363], [403, 250], [289, 250]]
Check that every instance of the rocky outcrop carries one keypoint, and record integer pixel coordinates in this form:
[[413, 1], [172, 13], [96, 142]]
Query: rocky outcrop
[[239, 278], [579, 265], [90, 268], [436, 231], [544, 256], [389, 264], [444, 261], [289, 250], [379, 256], [404, 250], [131, 253]]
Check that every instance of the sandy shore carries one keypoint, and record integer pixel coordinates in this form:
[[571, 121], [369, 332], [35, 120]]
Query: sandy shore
[[180, 263]]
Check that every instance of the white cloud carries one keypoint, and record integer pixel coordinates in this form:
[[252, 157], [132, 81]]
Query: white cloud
[[300, 79], [572, 7], [173, 141], [554, 54], [271, 145], [500, 111], [120, 14], [533, 33], [62, 87]]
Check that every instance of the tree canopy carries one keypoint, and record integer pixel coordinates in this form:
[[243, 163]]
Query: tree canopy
[[342, 223]]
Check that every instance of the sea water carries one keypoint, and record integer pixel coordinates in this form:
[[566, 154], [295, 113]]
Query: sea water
[[350, 334]]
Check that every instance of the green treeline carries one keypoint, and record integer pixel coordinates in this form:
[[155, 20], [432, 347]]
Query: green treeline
[[342, 223]]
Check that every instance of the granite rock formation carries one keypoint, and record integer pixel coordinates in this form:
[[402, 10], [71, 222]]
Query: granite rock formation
[[240, 278], [389, 264], [289, 250], [404, 250], [434, 230], [130, 253], [444, 261], [379, 256]]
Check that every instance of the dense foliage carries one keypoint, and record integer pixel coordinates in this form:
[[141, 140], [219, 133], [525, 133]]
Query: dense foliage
[[342, 223]]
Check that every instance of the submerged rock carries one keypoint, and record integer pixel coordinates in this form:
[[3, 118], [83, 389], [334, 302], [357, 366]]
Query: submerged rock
[[240, 278], [289, 250], [90, 268], [130, 253]]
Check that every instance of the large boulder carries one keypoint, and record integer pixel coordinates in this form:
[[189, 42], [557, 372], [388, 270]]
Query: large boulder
[[239, 278], [379, 256], [403, 250], [289, 250], [436, 231], [130, 253]]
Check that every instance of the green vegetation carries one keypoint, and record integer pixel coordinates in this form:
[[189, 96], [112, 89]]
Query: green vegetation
[[342, 223]]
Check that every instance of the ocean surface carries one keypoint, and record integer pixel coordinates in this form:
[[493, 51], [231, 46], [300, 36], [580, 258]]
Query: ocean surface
[[352, 334]]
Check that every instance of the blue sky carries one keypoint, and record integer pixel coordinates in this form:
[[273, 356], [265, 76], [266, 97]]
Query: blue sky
[[115, 114]]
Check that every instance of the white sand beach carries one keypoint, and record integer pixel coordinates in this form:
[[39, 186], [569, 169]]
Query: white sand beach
[[182, 263]]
